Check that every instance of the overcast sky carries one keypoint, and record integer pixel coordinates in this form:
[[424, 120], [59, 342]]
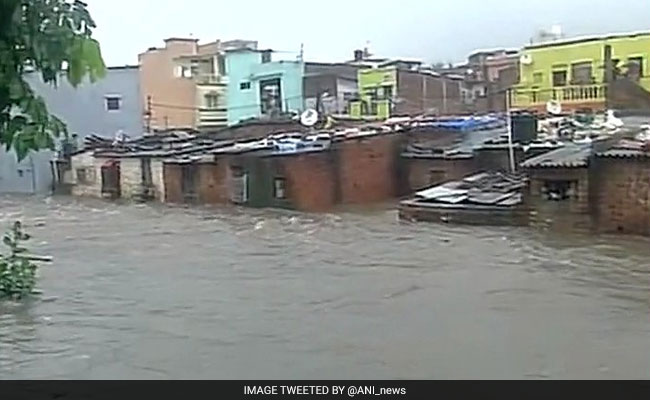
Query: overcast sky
[[431, 30]]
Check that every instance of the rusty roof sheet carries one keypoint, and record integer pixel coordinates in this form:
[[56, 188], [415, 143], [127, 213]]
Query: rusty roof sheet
[[570, 155]]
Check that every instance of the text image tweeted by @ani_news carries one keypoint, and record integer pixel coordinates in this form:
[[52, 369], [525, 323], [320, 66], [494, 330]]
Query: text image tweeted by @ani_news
[[323, 390]]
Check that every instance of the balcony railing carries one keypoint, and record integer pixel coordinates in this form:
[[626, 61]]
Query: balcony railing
[[565, 95], [212, 117]]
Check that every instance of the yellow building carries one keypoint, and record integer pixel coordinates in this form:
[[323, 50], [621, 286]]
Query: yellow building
[[572, 71]]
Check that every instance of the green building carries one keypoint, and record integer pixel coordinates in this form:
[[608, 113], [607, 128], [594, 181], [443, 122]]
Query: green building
[[400, 88], [572, 71], [376, 89]]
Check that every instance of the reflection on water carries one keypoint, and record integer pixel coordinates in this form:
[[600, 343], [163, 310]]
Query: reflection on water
[[159, 292]]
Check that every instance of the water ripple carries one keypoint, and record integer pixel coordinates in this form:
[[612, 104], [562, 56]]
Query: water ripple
[[170, 292]]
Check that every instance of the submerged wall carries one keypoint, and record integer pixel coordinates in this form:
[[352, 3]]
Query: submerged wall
[[622, 195]]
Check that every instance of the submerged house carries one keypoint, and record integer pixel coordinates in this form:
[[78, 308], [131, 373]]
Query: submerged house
[[621, 190], [441, 150], [487, 198], [313, 172], [560, 186], [132, 169]]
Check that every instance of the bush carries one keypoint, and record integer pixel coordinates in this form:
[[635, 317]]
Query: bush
[[17, 269]]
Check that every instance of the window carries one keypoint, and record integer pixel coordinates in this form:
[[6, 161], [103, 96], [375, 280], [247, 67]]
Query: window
[[113, 103], [559, 78], [559, 190], [384, 93], [182, 71], [538, 77], [211, 100], [271, 96], [266, 57], [279, 188], [581, 73], [85, 176], [244, 85]]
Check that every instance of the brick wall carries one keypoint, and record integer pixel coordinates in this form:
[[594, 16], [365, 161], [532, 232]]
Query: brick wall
[[213, 182], [427, 172], [423, 93], [579, 202], [494, 159], [311, 181], [367, 168], [571, 215], [622, 195], [172, 176], [260, 129]]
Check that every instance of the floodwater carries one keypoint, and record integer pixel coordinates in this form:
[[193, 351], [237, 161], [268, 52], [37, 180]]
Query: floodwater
[[161, 292]]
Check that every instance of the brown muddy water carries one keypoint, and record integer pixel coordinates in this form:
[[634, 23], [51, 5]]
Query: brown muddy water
[[162, 292]]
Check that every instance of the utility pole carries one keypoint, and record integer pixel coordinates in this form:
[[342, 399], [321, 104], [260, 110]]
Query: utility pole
[[148, 115], [444, 95], [302, 52], [511, 152], [609, 73], [424, 93]]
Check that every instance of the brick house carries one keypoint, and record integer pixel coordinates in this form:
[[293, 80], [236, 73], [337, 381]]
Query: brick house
[[622, 189], [560, 187], [360, 169]]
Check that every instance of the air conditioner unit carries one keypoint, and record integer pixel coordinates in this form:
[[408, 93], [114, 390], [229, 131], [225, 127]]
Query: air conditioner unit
[[526, 59]]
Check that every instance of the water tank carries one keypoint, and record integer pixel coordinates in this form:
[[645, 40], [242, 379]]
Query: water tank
[[524, 127]]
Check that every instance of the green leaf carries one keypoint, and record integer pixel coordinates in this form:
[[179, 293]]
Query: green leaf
[[41, 34]]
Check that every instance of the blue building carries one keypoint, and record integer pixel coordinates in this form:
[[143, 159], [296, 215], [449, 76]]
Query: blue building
[[261, 88], [105, 107]]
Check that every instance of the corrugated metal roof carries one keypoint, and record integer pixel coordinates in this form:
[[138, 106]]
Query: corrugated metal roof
[[626, 148], [486, 188], [569, 156]]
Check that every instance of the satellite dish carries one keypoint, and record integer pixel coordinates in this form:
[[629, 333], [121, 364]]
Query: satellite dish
[[526, 59], [554, 107], [309, 117]]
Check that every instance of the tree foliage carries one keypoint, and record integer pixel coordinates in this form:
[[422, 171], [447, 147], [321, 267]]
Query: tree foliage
[[17, 270], [50, 37]]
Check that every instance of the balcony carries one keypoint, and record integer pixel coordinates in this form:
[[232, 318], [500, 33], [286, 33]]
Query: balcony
[[209, 79], [567, 95], [212, 118]]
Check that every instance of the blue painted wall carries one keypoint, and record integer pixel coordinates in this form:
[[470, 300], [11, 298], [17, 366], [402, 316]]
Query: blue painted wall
[[246, 67], [84, 111], [83, 108]]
